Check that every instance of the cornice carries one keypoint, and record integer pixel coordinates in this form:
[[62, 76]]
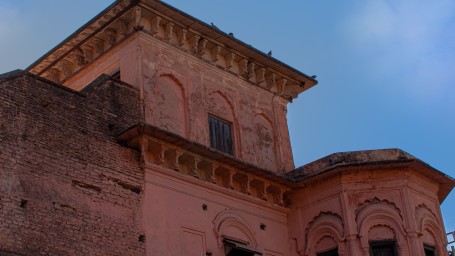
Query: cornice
[[166, 23], [178, 155]]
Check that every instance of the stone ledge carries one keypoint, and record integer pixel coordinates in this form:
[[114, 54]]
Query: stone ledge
[[175, 153]]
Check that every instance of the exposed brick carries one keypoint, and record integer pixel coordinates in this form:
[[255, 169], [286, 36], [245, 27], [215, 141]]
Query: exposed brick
[[63, 176]]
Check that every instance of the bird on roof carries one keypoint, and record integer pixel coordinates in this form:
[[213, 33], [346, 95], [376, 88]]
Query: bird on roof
[[231, 34], [269, 53], [314, 76], [213, 25]]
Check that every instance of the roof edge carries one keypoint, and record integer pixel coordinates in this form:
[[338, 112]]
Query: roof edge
[[125, 17], [390, 157], [78, 31]]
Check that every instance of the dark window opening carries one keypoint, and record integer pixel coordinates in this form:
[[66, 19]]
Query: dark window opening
[[383, 248], [332, 252], [429, 250], [116, 75], [233, 247], [221, 135]]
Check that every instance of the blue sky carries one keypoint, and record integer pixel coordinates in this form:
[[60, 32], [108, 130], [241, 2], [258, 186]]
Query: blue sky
[[386, 68]]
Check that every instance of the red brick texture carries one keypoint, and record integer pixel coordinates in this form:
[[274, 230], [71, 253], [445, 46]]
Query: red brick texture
[[66, 186]]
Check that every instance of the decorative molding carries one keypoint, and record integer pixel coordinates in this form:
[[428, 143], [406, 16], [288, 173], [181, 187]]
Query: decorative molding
[[251, 71], [376, 201], [232, 219], [230, 59], [271, 81], [261, 76], [98, 44], [169, 30], [195, 44], [138, 19], [325, 224], [78, 57], [155, 25], [110, 36], [186, 162], [201, 47], [182, 37], [427, 223], [88, 53], [243, 68], [107, 32], [66, 67], [216, 51], [376, 212]]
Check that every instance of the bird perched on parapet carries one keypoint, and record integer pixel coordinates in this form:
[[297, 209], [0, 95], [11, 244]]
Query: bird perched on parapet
[[213, 25], [231, 34], [314, 76], [269, 53]]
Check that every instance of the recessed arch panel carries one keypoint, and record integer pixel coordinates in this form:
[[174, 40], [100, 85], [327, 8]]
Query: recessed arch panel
[[170, 112], [430, 229], [382, 220], [229, 223], [324, 232]]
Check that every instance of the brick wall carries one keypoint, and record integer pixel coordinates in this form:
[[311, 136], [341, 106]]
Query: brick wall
[[66, 186]]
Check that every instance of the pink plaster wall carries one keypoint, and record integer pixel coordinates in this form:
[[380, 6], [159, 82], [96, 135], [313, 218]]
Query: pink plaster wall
[[257, 116], [347, 211], [122, 57], [177, 224], [358, 206], [207, 90], [180, 91]]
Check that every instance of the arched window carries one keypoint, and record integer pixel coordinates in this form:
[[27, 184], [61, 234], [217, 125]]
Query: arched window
[[324, 235], [429, 250], [234, 236], [383, 248], [332, 252], [234, 247]]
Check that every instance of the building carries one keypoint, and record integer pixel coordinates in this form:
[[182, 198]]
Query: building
[[149, 132]]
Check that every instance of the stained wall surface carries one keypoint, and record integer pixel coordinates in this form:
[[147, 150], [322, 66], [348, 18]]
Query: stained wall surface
[[186, 216], [69, 187], [350, 210], [66, 186], [180, 91]]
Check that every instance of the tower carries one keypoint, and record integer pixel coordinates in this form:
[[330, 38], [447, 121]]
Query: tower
[[183, 149]]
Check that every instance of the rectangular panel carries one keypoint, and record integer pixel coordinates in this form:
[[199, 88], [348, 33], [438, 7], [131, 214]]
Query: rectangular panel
[[193, 242]]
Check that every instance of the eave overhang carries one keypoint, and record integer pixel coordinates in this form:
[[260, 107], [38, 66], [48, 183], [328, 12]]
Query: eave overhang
[[371, 160], [166, 23], [131, 138], [80, 36], [175, 154]]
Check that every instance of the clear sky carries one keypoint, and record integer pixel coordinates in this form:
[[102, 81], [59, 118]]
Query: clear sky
[[386, 68]]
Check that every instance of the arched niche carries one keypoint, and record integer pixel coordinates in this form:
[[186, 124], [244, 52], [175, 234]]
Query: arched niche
[[429, 229], [381, 232], [326, 243], [323, 233], [265, 142], [381, 220], [229, 223], [219, 105], [170, 108]]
